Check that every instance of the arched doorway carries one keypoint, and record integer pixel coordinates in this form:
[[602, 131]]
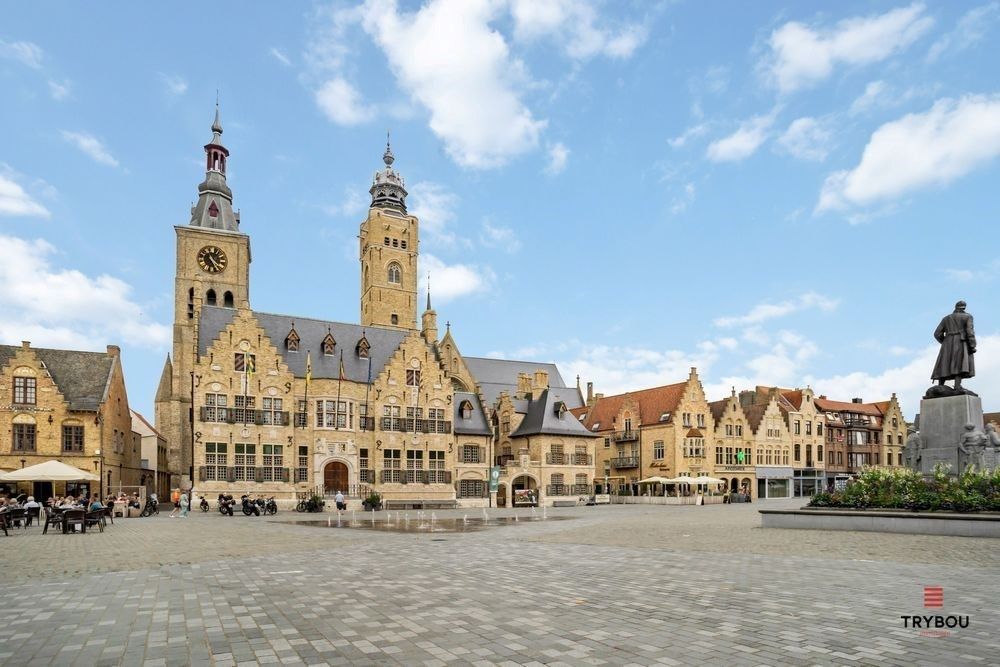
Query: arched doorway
[[735, 486], [524, 491], [335, 477]]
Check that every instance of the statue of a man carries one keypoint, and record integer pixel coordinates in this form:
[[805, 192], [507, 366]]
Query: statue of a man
[[911, 451], [992, 437], [971, 446], [958, 345]]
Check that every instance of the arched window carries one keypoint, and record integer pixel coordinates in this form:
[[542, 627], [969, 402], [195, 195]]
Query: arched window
[[227, 300], [394, 318], [395, 274], [210, 297]]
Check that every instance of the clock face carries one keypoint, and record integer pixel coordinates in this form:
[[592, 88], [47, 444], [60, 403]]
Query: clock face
[[212, 259]]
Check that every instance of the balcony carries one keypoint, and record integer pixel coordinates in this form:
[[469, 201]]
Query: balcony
[[625, 462], [625, 436], [569, 490], [245, 416], [569, 459]]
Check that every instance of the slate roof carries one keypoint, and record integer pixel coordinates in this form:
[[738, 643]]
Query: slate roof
[[496, 375], [542, 418], [384, 342], [82, 377], [652, 404], [477, 424]]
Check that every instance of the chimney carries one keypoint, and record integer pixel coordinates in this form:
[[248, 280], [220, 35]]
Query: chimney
[[598, 397], [590, 393], [747, 398], [25, 344], [539, 383], [523, 385], [114, 350], [856, 400]]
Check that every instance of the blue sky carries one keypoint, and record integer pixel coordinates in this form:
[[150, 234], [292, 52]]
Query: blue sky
[[779, 193]]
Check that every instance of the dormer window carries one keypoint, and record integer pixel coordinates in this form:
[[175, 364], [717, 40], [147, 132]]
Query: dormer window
[[362, 348], [465, 409], [329, 344], [292, 340], [560, 409]]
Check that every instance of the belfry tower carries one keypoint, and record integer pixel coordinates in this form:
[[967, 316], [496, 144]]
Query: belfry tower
[[212, 269], [388, 253]]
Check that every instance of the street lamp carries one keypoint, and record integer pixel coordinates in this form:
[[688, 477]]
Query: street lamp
[[100, 475], [23, 461]]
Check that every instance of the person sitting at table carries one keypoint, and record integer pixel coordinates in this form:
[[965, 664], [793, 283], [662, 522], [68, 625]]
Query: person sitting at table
[[33, 506], [96, 504], [67, 503]]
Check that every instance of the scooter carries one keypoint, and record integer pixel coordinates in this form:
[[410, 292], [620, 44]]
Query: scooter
[[204, 504], [249, 506]]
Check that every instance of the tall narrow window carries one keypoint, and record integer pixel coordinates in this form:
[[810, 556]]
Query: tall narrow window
[[210, 297], [228, 300], [24, 437], [24, 391], [395, 274], [191, 303], [72, 439]]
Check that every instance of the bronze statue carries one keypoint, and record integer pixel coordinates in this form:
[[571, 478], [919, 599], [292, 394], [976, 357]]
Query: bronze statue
[[955, 360]]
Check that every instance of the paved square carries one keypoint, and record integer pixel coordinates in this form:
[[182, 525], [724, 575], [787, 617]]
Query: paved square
[[614, 585]]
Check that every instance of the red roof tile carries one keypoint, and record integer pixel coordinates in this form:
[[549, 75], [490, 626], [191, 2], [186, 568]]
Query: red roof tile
[[652, 403], [827, 405]]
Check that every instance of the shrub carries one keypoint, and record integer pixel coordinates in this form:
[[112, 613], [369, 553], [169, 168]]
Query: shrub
[[971, 491]]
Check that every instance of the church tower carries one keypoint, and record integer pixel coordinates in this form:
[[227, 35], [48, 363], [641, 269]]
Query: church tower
[[388, 252], [212, 269]]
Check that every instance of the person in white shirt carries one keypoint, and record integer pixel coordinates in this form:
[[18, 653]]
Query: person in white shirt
[[341, 504]]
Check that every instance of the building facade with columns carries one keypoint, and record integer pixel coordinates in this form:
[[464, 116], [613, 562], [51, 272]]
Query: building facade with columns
[[273, 404]]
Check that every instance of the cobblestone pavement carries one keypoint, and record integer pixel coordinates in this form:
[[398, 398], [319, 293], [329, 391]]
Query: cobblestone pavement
[[705, 587]]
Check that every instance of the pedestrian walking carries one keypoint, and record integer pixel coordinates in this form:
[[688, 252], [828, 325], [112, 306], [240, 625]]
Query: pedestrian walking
[[341, 503], [185, 502], [175, 497]]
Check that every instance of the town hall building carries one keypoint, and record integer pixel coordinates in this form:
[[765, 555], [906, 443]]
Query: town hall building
[[270, 404]]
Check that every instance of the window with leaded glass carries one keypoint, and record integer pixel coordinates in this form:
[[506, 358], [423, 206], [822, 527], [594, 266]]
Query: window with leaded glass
[[414, 459], [301, 414], [245, 408], [302, 472], [24, 391], [391, 464], [436, 421], [215, 407], [391, 420], [72, 439], [334, 414], [24, 437], [271, 412], [657, 449], [470, 454], [272, 463], [245, 460], [216, 456], [718, 456], [471, 488]]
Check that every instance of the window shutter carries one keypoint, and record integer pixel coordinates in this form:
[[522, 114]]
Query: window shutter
[[285, 476], [258, 417], [258, 474], [201, 473], [231, 474]]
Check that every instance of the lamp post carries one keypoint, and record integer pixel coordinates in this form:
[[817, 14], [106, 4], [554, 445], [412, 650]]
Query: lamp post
[[23, 461], [100, 475]]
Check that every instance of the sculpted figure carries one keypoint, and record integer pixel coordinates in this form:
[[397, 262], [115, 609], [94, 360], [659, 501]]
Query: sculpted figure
[[971, 447], [911, 451], [992, 437], [958, 345]]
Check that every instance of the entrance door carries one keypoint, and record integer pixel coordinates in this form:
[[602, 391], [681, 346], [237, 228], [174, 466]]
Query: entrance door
[[335, 478], [502, 495], [42, 491]]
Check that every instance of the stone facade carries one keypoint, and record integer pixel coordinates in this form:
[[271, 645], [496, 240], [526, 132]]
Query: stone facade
[[70, 406], [733, 443]]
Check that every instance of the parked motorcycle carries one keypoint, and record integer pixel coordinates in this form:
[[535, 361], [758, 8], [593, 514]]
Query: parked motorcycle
[[249, 506], [150, 509], [204, 504], [226, 503], [270, 507]]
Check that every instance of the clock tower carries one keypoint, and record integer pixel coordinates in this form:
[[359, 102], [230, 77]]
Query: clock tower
[[212, 269], [388, 249]]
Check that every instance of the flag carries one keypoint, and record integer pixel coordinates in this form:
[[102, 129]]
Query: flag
[[309, 369], [343, 375], [934, 596]]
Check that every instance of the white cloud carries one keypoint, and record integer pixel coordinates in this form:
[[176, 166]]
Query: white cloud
[[742, 143], [14, 200], [453, 281], [90, 145], [802, 56], [768, 311], [918, 150], [968, 32], [912, 379], [573, 24], [64, 307], [342, 103], [681, 201], [690, 133], [452, 62], [558, 155], [873, 91], [807, 139], [497, 236], [280, 56], [353, 204], [173, 84], [27, 53], [982, 275], [434, 205], [58, 91]]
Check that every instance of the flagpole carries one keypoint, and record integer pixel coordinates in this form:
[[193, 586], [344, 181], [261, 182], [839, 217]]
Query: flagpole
[[340, 381], [308, 380]]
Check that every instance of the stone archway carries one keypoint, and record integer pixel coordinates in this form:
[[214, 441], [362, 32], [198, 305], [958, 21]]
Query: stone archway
[[524, 491], [336, 477]]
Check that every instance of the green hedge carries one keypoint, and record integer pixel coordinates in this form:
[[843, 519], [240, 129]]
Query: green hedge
[[972, 491]]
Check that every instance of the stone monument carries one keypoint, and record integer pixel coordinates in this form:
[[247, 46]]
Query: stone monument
[[951, 417]]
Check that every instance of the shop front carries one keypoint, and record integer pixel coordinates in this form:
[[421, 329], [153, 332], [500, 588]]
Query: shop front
[[774, 482], [808, 481]]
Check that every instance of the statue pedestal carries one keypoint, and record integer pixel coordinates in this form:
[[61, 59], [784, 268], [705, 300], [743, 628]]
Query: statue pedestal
[[942, 423]]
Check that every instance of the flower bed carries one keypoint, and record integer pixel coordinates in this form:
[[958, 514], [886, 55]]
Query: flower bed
[[972, 491]]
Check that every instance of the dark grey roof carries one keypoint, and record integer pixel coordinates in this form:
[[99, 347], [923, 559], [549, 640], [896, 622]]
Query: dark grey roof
[[496, 375], [542, 418], [477, 424], [383, 342], [82, 377]]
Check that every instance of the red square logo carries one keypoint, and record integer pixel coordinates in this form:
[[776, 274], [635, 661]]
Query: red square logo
[[933, 596]]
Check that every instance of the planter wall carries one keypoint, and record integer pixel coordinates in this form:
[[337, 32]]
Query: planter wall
[[912, 523]]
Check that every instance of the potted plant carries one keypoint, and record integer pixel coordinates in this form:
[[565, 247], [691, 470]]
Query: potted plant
[[372, 502]]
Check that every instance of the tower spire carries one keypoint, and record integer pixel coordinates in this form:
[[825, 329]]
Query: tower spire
[[388, 189], [214, 208], [429, 291]]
